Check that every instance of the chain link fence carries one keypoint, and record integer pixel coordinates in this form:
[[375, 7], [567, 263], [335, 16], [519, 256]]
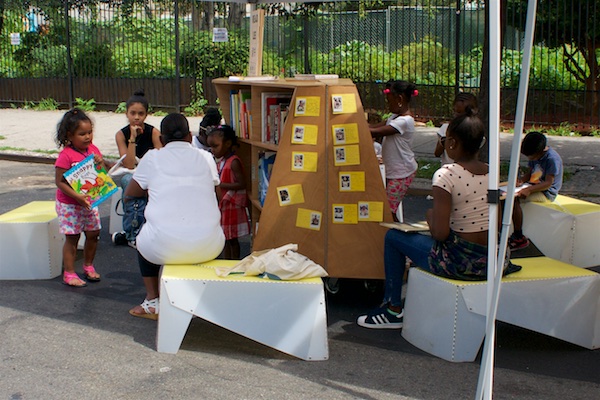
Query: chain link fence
[[106, 49]]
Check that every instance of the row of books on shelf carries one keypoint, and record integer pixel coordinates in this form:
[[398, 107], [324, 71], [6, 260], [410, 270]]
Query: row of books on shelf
[[240, 112], [275, 107]]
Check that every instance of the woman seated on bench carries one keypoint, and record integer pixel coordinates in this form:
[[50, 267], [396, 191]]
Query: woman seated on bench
[[183, 221], [458, 223]]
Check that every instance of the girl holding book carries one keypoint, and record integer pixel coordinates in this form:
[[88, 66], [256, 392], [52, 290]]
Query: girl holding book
[[75, 213], [233, 199]]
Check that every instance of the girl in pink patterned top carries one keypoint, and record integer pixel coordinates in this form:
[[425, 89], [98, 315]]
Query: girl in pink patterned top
[[75, 214], [233, 199]]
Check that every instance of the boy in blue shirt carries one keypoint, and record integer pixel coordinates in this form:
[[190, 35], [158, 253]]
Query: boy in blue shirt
[[545, 176]]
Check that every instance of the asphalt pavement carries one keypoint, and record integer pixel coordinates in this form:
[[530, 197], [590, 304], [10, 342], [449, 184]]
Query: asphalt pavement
[[64, 343]]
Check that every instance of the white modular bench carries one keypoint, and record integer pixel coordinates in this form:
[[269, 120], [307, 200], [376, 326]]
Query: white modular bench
[[446, 317], [30, 242], [567, 229], [289, 316]]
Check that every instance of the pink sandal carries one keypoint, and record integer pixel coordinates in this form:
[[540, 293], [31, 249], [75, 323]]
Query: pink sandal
[[90, 273], [73, 280]]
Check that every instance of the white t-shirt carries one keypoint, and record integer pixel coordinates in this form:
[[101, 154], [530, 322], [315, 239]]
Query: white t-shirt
[[183, 221], [397, 153], [197, 144], [444, 157]]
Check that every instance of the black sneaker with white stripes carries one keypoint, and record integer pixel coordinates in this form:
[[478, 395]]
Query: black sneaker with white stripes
[[381, 318], [119, 238]]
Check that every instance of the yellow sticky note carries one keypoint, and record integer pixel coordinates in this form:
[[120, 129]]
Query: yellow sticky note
[[343, 103], [370, 211], [346, 155], [304, 161], [304, 134], [309, 219], [309, 106], [291, 194], [344, 214], [352, 181], [344, 134]]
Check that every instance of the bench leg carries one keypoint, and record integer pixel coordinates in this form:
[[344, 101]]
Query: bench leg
[[172, 324], [437, 320]]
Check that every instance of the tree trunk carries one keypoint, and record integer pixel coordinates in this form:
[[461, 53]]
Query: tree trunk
[[236, 14], [209, 16], [1, 14], [592, 83]]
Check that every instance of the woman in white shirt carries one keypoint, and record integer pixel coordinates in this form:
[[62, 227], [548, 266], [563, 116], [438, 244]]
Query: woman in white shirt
[[183, 221]]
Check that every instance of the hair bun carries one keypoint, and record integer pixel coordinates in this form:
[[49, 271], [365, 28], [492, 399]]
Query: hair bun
[[178, 134], [470, 111], [139, 92]]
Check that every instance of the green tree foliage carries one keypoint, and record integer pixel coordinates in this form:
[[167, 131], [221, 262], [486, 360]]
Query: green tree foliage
[[201, 57], [568, 24]]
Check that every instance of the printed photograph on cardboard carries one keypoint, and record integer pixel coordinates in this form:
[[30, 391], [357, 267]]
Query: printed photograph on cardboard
[[338, 105], [344, 182], [340, 135], [284, 196], [299, 134], [338, 214], [300, 106]]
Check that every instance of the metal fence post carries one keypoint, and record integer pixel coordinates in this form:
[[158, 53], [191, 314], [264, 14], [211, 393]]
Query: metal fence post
[[69, 58], [177, 66], [457, 51]]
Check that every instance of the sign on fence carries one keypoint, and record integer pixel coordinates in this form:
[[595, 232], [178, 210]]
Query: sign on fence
[[220, 35], [15, 39]]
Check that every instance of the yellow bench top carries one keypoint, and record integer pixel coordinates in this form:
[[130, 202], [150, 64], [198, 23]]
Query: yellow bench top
[[570, 205], [35, 211], [206, 271], [535, 268]]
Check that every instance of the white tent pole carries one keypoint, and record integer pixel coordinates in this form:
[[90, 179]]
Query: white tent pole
[[486, 376], [484, 385]]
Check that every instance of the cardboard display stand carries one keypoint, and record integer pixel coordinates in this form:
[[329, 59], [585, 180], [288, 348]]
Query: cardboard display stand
[[325, 192]]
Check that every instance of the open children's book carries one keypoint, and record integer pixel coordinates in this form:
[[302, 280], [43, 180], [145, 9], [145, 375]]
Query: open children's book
[[503, 187], [420, 226], [92, 180]]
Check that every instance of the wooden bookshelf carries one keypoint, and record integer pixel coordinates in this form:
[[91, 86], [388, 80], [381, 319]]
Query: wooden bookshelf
[[345, 250]]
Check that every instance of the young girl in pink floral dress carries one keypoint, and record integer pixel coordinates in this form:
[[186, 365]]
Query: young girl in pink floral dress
[[75, 214]]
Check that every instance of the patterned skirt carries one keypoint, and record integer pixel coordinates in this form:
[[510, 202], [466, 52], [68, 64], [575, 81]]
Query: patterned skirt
[[457, 258]]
